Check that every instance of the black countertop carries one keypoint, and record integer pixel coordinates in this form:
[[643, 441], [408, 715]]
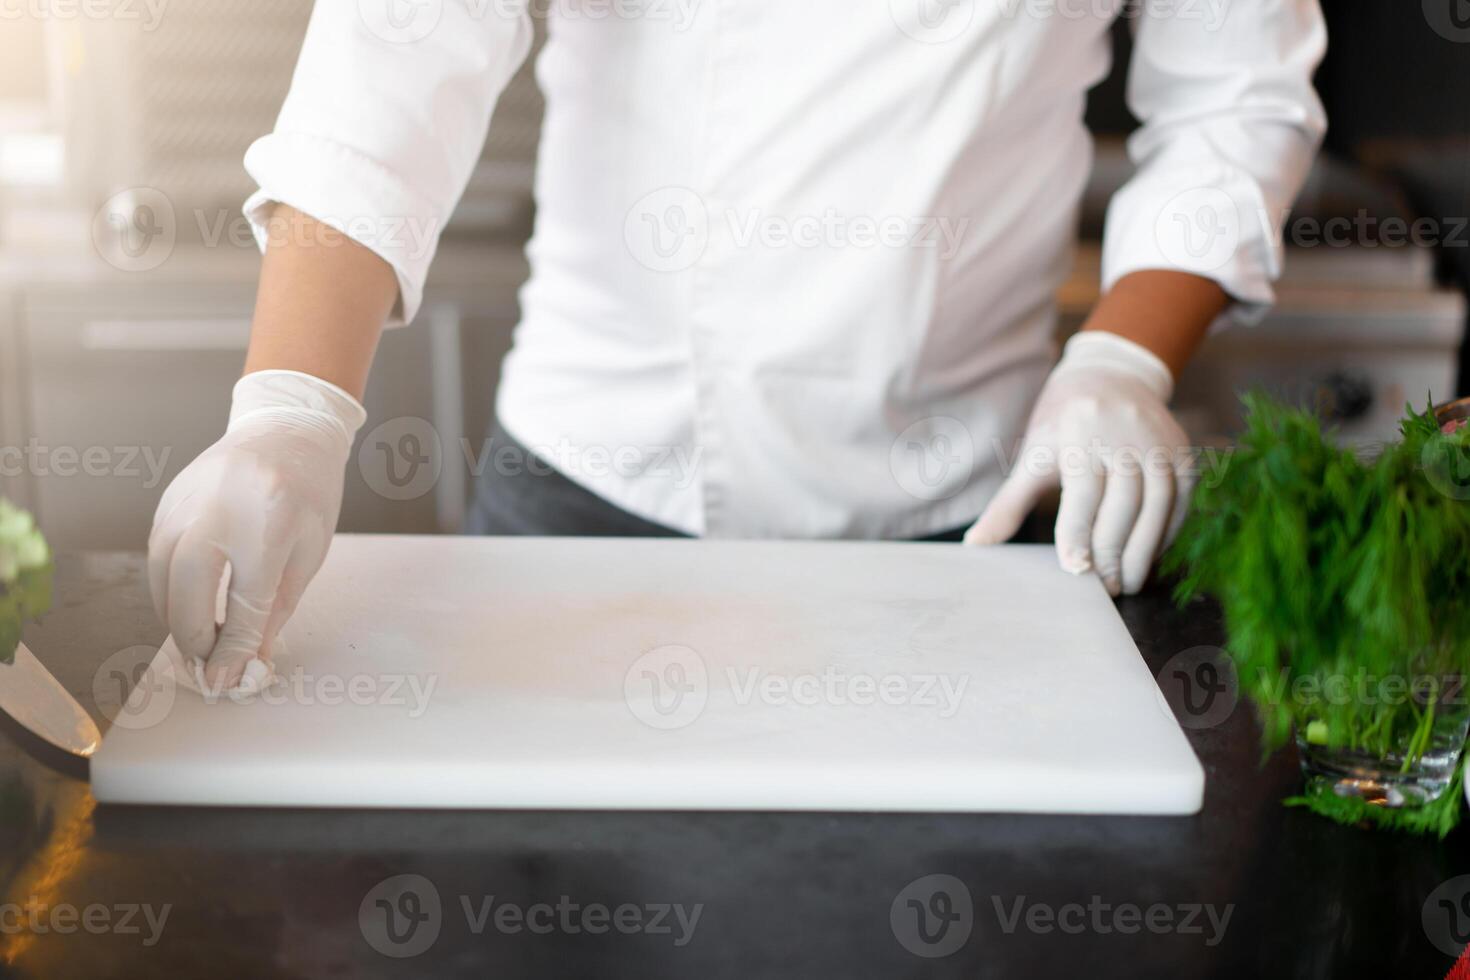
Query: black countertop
[[1247, 888]]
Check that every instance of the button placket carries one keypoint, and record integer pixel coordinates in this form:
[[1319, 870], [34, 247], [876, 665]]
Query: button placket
[[709, 362]]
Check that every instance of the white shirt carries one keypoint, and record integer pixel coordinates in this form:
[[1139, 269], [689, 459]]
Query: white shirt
[[794, 260]]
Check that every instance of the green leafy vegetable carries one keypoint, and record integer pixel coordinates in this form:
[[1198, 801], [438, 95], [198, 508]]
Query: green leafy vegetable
[[1340, 573], [25, 576], [1438, 817]]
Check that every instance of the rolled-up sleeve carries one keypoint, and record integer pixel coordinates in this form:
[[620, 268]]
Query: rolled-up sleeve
[[384, 122], [1230, 124]]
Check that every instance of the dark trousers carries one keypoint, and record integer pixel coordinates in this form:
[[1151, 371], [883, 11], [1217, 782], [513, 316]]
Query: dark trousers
[[529, 497]]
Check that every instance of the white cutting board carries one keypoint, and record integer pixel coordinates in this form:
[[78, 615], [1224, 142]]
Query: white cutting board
[[652, 674]]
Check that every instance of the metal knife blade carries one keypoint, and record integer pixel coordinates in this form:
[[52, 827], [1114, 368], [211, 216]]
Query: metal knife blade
[[35, 699]]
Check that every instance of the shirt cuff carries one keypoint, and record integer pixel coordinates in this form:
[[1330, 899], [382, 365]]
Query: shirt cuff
[[1214, 224], [352, 193]]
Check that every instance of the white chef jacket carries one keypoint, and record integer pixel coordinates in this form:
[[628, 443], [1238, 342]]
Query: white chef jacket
[[794, 260]]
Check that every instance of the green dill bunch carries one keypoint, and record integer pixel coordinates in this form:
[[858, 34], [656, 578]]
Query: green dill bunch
[[1344, 581], [25, 575]]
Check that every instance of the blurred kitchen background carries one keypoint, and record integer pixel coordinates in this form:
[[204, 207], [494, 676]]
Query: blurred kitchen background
[[127, 273]]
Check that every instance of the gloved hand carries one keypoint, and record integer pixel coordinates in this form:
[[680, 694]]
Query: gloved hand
[[1102, 429], [265, 499]]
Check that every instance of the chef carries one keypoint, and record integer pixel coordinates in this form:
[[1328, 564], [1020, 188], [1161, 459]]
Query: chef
[[804, 249]]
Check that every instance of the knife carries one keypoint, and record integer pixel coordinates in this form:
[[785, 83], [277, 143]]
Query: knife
[[35, 699]]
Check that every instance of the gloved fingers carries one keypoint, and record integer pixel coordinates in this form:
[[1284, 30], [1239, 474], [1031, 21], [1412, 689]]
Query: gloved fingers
[[284, 608], [294, 579], [171, 519], [162, 543], [1002, 518], [194, 574], [1082, 491], [1121, 501], [248, 606], [1148, 532], [1186, 477]]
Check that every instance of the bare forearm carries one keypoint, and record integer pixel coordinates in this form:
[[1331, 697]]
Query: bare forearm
[[321, 305], [1167, 312]]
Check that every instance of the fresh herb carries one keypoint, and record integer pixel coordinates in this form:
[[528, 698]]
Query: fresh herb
[[1437, 817], [25, 576], [1344, 581]]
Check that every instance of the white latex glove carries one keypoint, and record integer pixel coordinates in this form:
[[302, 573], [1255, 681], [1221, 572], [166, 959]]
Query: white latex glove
[[1102, 430], [265, 499]]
